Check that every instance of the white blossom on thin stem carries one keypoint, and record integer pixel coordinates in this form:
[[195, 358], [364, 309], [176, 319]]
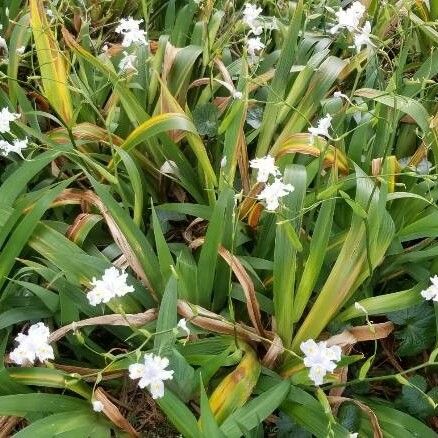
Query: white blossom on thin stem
[[127, 63], [3, 44], [320, 359], [6, 117], [265, 167], [21, 50], [250, 18], [33, 346], [322, 127], [97, 406], [431, 293], [253, 46], [349, 18], [152, 373], [236, 95], [362, 37], [272, 193], [132, 34], [16, 147], [182, 324], [112, 284]]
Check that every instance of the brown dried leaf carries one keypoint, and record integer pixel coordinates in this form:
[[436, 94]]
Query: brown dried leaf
[[75, 196], [361, 334], [245, 281], [136, 320], [113, 413]]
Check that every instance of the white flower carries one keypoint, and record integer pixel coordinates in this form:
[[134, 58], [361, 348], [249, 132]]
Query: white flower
[[132, 34], [169, 167], [353, 435], [237, 95], [362, 38], [3, 44], [127, 62], [250, 16], [16, 147], [431, 293], [152, 374], [21, 50], [273, 192], [112, 284], [349, 18], [97, 406], [322, 128], [266, 167], [182, 324], [33, 346], [6, 117], [317, 374], [254, 45], [320, 359]]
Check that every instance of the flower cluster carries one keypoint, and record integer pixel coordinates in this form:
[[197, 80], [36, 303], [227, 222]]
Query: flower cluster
[[320, 359], [250, 18], [132, 34], [350, 19], [431, 293], [272, 193], [112, 284], [16, 146], [152, 374], [33, 346], [265, 167], [253, 46], [127, 63], [6, 118]]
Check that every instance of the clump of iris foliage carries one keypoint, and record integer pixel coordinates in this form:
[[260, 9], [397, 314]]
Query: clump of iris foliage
[[218, 215]]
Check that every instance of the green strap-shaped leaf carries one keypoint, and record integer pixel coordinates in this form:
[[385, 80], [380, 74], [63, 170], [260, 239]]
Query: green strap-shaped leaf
[[24, 230], [280, 81], [137, 241], [209, 252], [255, 411], [179, 414], [167, 318], [285, 252]]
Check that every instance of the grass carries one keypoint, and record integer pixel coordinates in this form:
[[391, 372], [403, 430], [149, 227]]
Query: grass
[[150, 169]]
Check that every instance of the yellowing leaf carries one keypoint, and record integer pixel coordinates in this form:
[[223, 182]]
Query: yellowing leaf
[[52, 65], [235, 389]]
